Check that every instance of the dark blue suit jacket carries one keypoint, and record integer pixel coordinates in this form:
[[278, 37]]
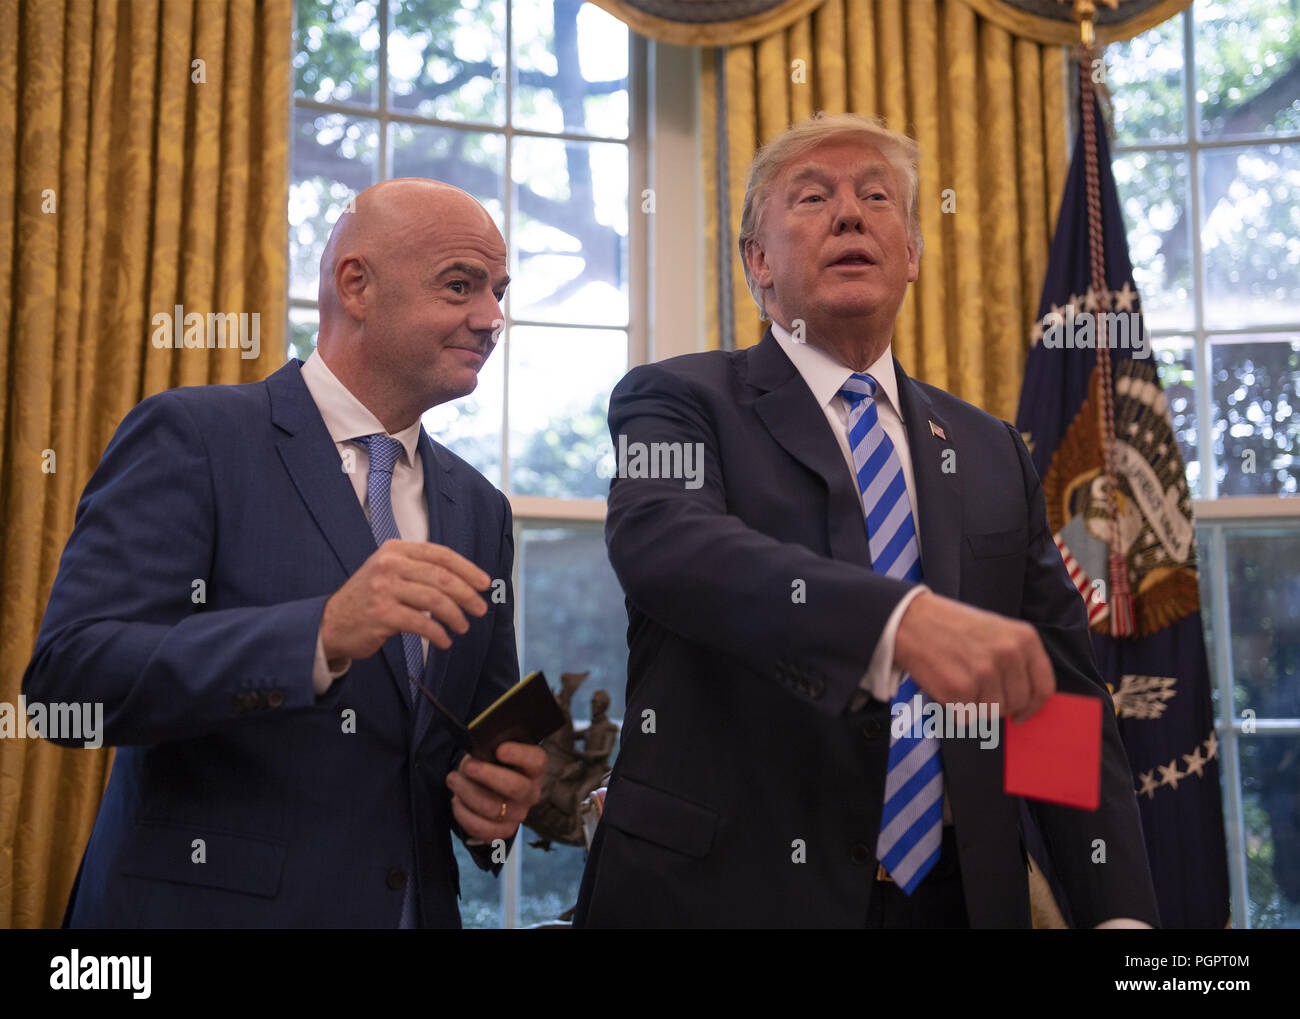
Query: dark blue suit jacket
[[221, 737], [740, 753]]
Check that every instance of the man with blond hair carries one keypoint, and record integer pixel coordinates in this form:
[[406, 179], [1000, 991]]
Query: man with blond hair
[[862, 548]]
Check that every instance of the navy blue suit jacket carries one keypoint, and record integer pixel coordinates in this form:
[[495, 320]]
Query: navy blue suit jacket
[[740, 753], [221, 737]]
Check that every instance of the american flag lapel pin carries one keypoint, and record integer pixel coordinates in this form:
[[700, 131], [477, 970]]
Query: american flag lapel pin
[[936, 430]]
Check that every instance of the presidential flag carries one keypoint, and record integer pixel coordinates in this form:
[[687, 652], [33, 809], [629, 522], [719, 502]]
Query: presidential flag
[[1095, 420]]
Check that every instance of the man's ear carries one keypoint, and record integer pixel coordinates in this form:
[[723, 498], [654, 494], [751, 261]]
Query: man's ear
[[351, 284], [913, 261], [756, 259]]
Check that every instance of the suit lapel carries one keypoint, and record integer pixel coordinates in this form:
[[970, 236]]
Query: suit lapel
[[938, 490], [791, 414], [312, 460], [449, 525], [967, 770]]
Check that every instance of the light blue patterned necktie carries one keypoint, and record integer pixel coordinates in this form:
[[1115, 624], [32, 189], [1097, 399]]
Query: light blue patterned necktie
[[384, 453], [911, 823]]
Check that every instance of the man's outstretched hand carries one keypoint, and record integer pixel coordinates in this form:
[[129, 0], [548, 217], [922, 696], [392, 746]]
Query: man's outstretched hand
[[959, 654], [481, 790], [404, 587]]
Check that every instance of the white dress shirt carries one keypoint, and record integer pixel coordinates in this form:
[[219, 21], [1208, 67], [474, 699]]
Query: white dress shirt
[[826, 376], [347, 419]]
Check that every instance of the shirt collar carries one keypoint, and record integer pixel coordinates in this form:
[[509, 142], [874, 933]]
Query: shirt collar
[[347, 418], [826, 374]]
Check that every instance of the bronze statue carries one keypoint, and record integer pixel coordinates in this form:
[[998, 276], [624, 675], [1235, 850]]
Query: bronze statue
[[571, 774]]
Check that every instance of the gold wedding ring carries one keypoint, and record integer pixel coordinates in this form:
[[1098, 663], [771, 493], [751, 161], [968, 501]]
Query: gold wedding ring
[[503, 809]]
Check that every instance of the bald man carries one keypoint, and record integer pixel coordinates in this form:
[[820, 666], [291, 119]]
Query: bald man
[[261, 580]]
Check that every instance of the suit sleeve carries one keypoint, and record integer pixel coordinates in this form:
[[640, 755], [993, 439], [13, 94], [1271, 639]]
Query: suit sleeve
[[1120, 886], [126, 624], [500, 671], [804, 620]]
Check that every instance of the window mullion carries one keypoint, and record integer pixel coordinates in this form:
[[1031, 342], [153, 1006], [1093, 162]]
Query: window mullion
[[1229, 739], [381, 82], [1204, 377]]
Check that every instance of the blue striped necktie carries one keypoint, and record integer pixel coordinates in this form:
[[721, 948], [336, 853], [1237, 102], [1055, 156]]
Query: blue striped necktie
[[911, 823], [384, 453]]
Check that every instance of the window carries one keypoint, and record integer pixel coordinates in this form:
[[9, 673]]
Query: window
[[525, 105], [540, 110], [1207, 160]]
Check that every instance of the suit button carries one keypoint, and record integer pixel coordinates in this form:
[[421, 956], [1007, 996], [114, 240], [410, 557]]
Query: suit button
[[816, 687], [275, 698], [397, 879], [249, 700], [872, 728], [861, 853]]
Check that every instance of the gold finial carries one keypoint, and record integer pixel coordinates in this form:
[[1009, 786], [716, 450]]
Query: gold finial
[[1084, 12]]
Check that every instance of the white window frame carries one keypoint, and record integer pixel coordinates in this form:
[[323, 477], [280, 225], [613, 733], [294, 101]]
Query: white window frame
[[1214, 515]]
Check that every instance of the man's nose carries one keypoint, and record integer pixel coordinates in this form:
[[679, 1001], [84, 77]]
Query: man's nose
[[848, 215], [486, 316]]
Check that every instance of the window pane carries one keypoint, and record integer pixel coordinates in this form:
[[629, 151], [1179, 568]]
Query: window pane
[[471, 426], [560, 381], [1246, 62], [572, 620], [1176, 366], [448, 60], [336, 51], [1256, 427], [473, 161], [570, 231], [572, 617], [1270, 788], [1264, 614], [480, 891], [550, 879], [304, 324], [570, 68], [1145, 78], [1153, 194], [1251, 234], [334, 158]]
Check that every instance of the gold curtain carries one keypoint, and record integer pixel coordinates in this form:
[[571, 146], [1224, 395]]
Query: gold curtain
[[989, 112], [1132, 17], [144, 147], [706, 22]]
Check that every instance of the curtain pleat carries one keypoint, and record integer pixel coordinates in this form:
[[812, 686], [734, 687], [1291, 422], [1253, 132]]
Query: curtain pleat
[[132, 180]]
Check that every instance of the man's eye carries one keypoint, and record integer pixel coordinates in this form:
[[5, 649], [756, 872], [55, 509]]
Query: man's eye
[[811, 198], [460, 283]]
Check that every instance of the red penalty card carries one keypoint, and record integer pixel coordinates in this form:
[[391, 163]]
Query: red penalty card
[[1056, 755]]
